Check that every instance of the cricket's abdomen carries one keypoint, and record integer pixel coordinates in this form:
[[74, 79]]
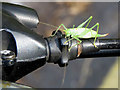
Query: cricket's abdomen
[[84, 33]]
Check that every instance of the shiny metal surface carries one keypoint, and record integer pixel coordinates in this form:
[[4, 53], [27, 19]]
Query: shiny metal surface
[[26, 16], [30, 46]]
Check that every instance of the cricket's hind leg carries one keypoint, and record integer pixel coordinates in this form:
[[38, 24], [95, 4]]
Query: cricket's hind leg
[[97, 24], [88, 20], [59, 28]]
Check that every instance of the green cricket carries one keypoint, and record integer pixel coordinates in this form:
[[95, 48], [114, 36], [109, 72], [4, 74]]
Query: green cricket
[[81, 32]]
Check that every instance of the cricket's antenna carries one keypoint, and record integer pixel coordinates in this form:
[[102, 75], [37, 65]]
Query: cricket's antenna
[[48, 24]]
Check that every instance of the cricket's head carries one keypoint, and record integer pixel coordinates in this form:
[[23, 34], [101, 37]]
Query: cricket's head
[[67, 34]]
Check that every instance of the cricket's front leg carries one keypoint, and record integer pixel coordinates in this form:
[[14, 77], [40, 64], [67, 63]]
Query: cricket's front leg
[[68, 40], [75, 44], [59, 28]]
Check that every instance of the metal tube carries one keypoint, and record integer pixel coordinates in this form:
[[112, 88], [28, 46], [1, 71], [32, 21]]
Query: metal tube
[[109, 43], [106, 48], [102, 53]]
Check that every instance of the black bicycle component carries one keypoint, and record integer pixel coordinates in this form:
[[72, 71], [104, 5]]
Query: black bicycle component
[[109, 43], [107, 48], [59, 50], [26, 40], [88, 47], [30, 48]]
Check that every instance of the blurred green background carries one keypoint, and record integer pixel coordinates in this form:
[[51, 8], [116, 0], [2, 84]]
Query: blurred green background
[[80, 73]]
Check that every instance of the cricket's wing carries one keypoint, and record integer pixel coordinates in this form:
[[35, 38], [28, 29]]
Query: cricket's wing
[[85, 33], [90, 34], [93, 34]]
